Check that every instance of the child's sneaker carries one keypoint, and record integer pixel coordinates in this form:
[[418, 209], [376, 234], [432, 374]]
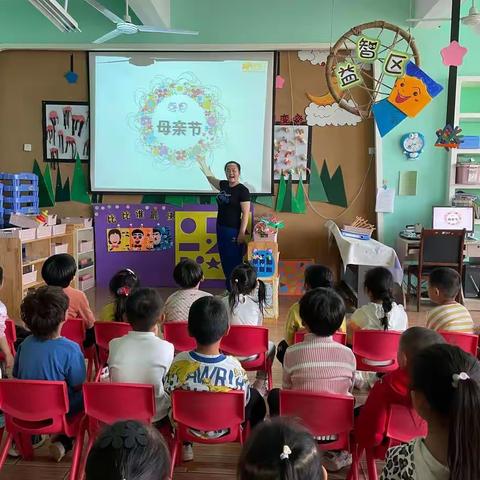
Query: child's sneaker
[[37, 442], [57, 451], [334, 461], [187, 452]]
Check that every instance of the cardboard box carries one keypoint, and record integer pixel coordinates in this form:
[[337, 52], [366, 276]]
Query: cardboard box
[[22, 234], [44, 232]]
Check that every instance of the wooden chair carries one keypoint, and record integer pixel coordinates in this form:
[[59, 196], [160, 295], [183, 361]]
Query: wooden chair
[[438, 248]]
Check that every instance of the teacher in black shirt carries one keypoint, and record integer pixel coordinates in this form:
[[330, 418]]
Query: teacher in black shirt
[[233, 211]]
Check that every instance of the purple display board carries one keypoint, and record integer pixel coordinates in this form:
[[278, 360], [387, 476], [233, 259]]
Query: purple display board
[[151, 238]]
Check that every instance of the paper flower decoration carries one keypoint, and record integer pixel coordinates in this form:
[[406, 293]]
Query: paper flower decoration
[[453, 54]]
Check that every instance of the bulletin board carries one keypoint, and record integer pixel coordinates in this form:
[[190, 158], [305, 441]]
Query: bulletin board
[[151, 238]]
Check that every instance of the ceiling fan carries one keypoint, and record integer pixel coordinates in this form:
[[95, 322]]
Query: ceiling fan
[[126, 27], [470, 20]]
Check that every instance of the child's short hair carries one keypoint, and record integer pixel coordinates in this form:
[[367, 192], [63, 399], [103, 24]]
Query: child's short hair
[[187, 273], [43, 310], [280, 449], [415, 339], [207, 320], [318, 276], [143, 309], [59, 270], [121, 287], [322, 310], [131, 450], [447, 280]]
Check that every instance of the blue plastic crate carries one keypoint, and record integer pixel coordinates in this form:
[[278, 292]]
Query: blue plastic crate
[[13, 202], [17, 179], [18, 190], [25, 210]]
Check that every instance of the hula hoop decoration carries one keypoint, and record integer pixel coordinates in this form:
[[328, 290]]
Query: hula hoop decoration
[[351, 81], [180, 122]]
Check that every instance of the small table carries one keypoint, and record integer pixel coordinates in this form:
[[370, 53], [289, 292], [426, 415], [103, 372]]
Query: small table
[[364, 254]]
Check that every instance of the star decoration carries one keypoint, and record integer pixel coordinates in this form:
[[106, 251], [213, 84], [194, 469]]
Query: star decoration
[[213, 263], [453, 54]]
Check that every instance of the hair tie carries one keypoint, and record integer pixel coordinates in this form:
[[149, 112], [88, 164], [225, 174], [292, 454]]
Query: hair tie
[[456, 377], [124, 291], [131, 272], [236, 280], [285, 453]]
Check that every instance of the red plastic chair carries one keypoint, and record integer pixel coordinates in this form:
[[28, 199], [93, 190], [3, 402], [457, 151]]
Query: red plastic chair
[[376, 350], [207, 411], [74, 330], [466, 341], [104, 333], [46, 414], [177, 333], [249, 341], [107, 403], [403, 425], [324, 414], [11, 336], [338, 336]]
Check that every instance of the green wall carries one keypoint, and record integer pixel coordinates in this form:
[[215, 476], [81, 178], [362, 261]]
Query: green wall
[[432, 165]]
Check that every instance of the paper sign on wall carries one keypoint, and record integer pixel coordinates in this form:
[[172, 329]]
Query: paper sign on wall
[[407, 184], [385, 200]]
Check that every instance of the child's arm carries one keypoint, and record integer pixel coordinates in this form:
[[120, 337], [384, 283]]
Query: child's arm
[[6, 350], [75, 371], [286, 377], [85, 312], [292, 324], [357, 322]]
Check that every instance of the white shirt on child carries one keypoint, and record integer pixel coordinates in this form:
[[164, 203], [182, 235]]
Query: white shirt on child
[[3, 318], [369, 317], [246, 311], [142, 357], [178, 304]]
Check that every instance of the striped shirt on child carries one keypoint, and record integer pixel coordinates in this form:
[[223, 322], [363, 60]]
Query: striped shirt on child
[[453, 317], [319, 364], [178, 304]]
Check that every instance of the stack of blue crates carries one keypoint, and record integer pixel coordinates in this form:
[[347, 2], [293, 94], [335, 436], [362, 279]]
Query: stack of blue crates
[[20, 194], [1, 205]]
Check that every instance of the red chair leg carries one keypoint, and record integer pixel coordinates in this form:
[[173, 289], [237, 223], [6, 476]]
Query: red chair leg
[[269, 376], [4, 452], [419, 291], [356, 455], [371, 465], [24, 444], [174, 455], [77, 454]]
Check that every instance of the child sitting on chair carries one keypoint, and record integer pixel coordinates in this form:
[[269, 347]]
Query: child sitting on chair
[[45, 355], [140, 356], [188, 275], [314, 276], [121, 286], [59, 271], [392, 388], [319, 364], [206, 369], [382, 313], [443, 287]]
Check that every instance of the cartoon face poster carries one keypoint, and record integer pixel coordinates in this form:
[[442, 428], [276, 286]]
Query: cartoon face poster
[[139, 239]]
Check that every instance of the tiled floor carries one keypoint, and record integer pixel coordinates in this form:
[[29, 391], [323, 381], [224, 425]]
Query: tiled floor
[[211, 462]]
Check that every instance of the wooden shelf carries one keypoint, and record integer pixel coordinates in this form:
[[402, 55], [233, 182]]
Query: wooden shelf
[[25, 286], [86, 268], [33, 262], [467, 186], [468, 151], [88, 251]]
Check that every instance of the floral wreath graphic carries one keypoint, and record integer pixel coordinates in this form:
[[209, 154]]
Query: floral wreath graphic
[[209, 131]]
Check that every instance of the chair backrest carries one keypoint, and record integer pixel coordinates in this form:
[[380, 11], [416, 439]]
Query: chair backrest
[[376, 350], [209, 411], [442, 248], [245, 341], [74, 330], [338, 336], [466, 341], [106, 331], [177, 333], [33, 405], [324, 414], [110, 402], [404, 424]]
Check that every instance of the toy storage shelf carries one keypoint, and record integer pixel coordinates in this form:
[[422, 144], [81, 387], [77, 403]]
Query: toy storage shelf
[[84, 251], [22, 262]]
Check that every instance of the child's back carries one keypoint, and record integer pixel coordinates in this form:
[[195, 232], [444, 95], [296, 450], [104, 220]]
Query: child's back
[[140, 356], [46, 355], [443, 286], [382, 313], [319, 364], [246, 300], [188, 275]]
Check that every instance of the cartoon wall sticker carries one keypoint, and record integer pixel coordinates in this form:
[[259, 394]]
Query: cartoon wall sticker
[[162, 238]]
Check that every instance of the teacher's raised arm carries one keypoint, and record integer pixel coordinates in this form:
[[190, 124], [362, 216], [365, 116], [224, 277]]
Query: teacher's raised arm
[[233, 211]]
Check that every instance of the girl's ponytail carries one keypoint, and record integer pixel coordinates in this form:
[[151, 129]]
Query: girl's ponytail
[[379, 285], [387, 304], [121, 286], [262, 296], [243, 281], [234, 294], [464, 436]]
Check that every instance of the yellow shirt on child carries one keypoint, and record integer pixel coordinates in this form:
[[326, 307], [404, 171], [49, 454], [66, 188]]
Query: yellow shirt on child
[[107, 314], [453, 317], [294, 323]]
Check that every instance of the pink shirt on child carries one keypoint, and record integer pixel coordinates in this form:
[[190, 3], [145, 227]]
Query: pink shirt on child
[[79, 306]]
